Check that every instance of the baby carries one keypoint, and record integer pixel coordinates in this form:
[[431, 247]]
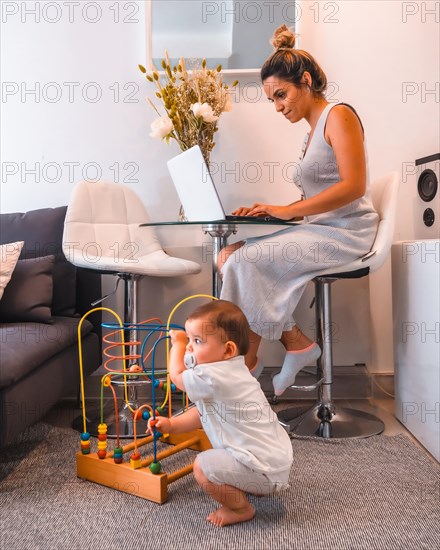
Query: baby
[[251, 452]]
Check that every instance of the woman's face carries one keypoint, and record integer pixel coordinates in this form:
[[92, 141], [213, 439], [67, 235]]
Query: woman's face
[[290, 100]]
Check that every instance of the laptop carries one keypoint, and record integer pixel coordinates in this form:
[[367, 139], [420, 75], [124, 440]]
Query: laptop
[[197, 191]]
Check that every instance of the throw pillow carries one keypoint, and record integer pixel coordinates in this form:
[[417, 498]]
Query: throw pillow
[[28, 296], [9, 254]]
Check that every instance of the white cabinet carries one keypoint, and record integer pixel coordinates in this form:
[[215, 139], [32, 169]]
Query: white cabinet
[[416, 311]]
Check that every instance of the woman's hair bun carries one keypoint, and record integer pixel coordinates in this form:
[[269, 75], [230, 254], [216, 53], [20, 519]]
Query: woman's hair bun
[[283, 37]]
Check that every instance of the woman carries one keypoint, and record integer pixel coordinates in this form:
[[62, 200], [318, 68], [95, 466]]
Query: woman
[[339, 220]]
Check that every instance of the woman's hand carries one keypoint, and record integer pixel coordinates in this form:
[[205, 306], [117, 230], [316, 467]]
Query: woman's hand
[[281, 212], [241, 211]]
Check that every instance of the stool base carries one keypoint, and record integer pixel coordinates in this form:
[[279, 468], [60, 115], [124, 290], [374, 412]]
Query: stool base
[[341, 423]]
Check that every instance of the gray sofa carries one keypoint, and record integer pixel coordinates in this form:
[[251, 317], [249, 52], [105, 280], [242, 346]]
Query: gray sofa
[[39, 315]]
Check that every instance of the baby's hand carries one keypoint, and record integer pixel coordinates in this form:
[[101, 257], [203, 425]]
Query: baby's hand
[[151, 423], [178, 336], [161, 423]]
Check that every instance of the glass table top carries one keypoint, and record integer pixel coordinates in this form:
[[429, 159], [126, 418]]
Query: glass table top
[[251, 221]]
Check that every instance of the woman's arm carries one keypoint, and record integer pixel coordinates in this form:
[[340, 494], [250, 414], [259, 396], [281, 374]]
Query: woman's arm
[[344, 134]]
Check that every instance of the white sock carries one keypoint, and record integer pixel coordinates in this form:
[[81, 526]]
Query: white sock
[[257, 369], [293, 363]]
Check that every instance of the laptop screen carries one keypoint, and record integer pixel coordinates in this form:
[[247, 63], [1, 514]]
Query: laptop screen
[[195, 187]]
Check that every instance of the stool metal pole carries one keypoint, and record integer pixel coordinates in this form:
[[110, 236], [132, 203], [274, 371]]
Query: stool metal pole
[[219, 233], [323, 326]]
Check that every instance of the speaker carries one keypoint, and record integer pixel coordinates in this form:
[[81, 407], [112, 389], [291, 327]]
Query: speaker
[[428, 203]]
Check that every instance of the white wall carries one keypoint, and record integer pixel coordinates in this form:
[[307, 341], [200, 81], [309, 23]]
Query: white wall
[[63, 131]]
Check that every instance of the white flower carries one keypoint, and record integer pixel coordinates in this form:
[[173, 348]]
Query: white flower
[[161, 127], [204, 110]]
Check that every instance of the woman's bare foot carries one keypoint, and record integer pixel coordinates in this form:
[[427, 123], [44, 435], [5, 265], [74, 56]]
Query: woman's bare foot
[[226, 516]]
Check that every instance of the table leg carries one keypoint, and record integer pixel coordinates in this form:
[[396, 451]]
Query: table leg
[[219, 233]]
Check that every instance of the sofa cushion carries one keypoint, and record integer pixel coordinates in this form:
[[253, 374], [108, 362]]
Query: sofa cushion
[[42, 341], [42, 233], [28, 296], [9, 253]]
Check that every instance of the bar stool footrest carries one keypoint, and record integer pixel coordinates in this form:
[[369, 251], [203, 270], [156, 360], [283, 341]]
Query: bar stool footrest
[[308, 388]]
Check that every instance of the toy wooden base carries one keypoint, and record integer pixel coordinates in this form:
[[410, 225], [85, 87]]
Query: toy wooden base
[[140, 481]]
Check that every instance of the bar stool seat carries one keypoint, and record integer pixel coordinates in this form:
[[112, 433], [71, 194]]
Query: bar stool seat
[[325, 419]]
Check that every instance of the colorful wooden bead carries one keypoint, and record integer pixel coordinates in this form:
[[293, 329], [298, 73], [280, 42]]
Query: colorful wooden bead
[[135, 460], [85, 447], [135, 368], [102, 454], [102, 428], [118, 452], [155, 467], [137, 415], [146, 415]]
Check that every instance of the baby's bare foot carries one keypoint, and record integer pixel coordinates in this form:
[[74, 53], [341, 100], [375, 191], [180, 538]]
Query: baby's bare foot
[[225, 516]]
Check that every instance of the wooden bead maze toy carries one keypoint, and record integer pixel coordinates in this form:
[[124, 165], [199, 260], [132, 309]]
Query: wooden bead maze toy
[[137, 475]]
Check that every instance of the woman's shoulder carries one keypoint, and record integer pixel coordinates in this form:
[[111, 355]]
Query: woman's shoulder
[[343, 116], [341, 110]]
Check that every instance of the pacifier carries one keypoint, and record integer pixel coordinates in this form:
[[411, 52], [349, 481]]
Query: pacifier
[[189, 359]]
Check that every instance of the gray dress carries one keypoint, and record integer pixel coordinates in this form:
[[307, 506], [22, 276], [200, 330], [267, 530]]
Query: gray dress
[[268, 275]]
